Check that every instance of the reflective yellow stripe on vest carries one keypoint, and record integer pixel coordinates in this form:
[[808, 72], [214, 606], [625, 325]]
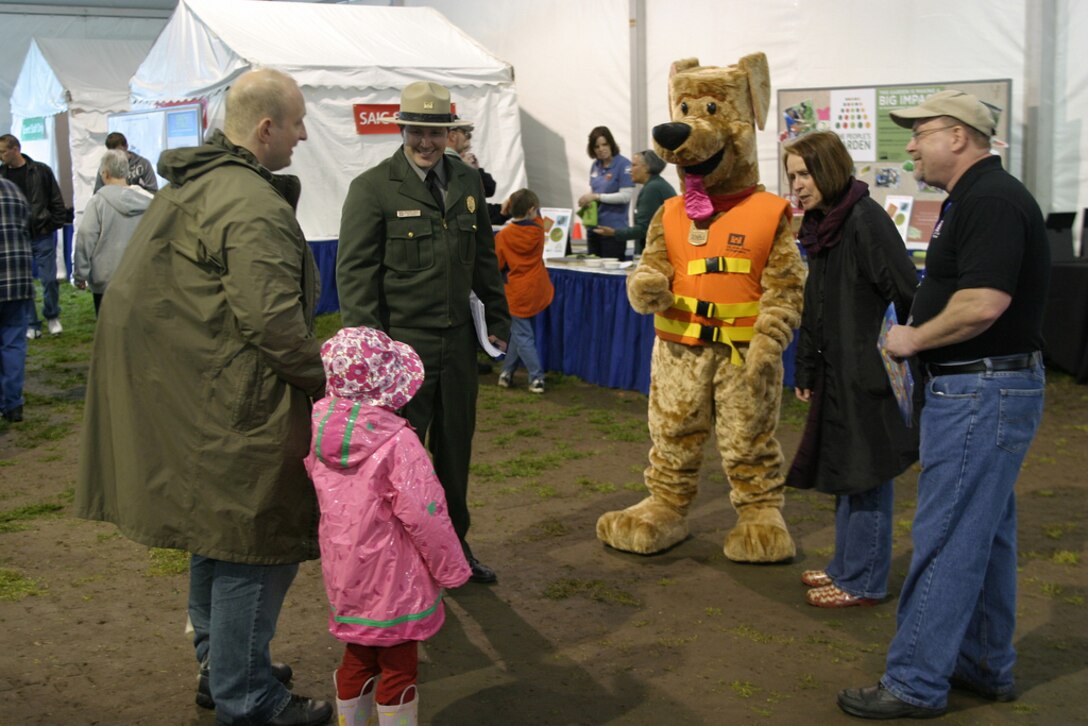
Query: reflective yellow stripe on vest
[[719, 264], [708, 333], [726, 312]]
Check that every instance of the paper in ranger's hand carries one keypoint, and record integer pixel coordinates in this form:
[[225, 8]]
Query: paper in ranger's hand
[[480, 321], [898, 371]]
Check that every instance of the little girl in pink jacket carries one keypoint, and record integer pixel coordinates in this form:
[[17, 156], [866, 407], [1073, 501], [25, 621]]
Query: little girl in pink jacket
[[387, 544]]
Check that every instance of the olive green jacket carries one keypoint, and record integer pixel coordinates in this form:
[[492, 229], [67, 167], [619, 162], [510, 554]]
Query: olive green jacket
[[198, 404], [402, 263]]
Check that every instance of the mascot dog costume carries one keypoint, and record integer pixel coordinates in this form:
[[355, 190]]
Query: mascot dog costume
[[723, 276]]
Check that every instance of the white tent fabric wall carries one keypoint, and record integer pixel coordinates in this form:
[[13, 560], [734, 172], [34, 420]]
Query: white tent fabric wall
[[1070, 131], [19, 30], [572, 70], [573, 67], [88, 80], [340, 55]]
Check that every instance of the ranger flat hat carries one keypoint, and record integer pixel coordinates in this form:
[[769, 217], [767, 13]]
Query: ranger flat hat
[[425, 104], [961, 106]]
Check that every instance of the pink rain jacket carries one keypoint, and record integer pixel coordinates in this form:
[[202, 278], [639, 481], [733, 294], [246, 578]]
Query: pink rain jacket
[[387, 544]]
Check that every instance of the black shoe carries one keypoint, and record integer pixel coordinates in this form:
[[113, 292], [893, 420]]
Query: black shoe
[[14, 415], [480, 572], [962, 684], [302, 711], [204, 699], [877, 702]]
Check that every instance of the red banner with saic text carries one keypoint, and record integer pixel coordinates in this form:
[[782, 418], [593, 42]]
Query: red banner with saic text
[[377, 118]]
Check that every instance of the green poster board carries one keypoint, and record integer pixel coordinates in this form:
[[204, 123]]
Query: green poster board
[[860, 115]]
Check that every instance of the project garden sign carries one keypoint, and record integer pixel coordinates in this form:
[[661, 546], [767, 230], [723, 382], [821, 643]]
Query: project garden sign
[[861, 116]]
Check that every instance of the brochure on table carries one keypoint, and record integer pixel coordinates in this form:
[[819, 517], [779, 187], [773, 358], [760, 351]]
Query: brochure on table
[[557, 223]]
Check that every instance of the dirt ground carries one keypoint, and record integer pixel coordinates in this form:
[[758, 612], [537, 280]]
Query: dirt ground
[[573, 633]]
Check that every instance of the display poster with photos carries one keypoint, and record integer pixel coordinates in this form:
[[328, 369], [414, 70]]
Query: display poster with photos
[[860, 115], [556, 228]]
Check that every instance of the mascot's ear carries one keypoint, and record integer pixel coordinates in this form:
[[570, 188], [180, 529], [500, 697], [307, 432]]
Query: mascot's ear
[[759, 85], [676, 68]]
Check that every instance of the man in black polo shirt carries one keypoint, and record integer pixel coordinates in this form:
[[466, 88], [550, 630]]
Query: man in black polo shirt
[[977, 328]]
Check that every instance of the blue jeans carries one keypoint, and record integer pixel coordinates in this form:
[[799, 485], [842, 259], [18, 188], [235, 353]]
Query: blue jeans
[[863, 542], [957, 610], [12, 353], [45, 261], [234, 609], [522, 348]]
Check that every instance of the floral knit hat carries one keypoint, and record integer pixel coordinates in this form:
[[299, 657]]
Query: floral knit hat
[[363, 364]]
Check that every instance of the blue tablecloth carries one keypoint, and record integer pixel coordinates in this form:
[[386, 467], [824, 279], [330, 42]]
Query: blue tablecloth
[[325, 255], [590, 331]]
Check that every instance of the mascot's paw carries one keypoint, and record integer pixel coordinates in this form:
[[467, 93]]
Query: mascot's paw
[[760, 536], [645, 528], [648, 291]]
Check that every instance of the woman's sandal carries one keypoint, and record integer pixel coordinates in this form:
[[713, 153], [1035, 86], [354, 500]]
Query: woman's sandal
[[815, 578], [830, 596]]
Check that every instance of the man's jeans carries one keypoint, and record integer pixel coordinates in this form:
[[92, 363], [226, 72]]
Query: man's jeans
[[234, 609], [45, 260], [522, 348], [863, 542], [12, 353], [957, 611]]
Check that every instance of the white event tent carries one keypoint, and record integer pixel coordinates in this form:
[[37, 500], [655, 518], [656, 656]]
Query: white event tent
[[85, 80], [340, 55]]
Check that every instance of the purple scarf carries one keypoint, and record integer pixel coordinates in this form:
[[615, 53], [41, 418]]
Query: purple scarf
[[821, 231]]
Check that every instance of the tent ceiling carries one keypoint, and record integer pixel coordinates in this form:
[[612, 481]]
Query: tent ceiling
[[155, 8]]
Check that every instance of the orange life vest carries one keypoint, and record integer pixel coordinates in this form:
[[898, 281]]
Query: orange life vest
[[717, 285]]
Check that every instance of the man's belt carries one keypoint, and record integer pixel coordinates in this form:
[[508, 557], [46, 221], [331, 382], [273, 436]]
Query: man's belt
[[1001, 363]]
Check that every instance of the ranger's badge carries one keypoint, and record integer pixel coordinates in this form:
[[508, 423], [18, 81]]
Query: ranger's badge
[[471, 201]]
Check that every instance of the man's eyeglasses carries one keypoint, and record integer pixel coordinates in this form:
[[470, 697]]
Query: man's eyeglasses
[[926, 132], [468, 134]]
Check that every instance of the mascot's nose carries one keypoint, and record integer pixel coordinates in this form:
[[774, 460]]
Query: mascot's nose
[[671, 135]]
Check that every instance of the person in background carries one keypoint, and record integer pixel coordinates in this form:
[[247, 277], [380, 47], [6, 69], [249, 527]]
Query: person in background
[[646, 168], [415, 241], [855, 440], [611, 187], [108, 222], [141, 172], [519, 247], [16, 289], [382, 512], [459, 142], [976, 325], [197, 417], [47, 214]]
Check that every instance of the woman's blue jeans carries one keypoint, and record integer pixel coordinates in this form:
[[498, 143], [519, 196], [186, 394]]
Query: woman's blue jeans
[[863, 542], [522, 348], [234, 609], [957, 611]]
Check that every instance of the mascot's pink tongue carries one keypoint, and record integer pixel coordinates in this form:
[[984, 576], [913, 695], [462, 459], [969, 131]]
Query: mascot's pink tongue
[[696, 202]]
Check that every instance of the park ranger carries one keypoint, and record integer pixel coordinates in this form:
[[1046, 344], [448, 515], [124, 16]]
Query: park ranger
[[415, 240]]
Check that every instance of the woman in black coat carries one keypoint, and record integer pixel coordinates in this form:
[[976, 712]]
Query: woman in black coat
[[855, 440]]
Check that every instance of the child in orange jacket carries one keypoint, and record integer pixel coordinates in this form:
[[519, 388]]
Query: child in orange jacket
[[520, 249]]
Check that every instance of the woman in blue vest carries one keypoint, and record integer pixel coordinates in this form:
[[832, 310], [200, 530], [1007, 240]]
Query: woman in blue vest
[[611, 187]]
